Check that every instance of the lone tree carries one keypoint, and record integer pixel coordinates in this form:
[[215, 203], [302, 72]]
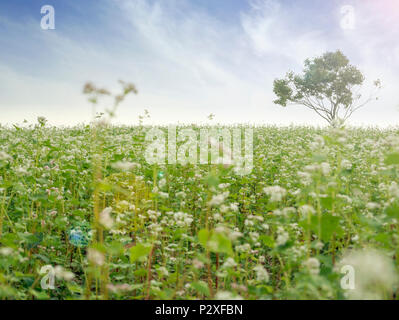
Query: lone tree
[[329, 86]]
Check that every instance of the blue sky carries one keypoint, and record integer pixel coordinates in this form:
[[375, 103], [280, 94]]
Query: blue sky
[[188, 58]]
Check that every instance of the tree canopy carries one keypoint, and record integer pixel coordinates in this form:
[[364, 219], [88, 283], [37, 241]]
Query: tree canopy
[[329, 85]]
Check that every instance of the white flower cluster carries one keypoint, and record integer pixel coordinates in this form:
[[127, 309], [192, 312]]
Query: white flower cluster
[[374, 272], [63, 274], [105, 218], [261, 273], [181, 219], [394, 190], [95, 257], [217, 200], [306, 209], [276, 193], [312, 265], [125, 165], [323, 167], [282, 236], [229, 263], [4, 156]]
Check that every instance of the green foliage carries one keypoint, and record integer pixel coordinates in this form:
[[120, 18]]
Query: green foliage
[[326, 86], [139, 252], [392, 158], [276, 233], [327, 225]]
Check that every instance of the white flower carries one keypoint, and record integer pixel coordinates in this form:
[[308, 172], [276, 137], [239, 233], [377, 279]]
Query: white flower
[[5, 251], [198, 264], [275, 193], [42, 120], [346, 164], [61, 273], [229, 263], [254, 236], [224, 208], [265, 226], [261, 274], [162, 183], [106, 219], [306, 209], [375, 274], [95, 257], [234, 207], [325, 168], [163, 271], [282, 238], [234, 235], [344, 197], [311, 168], [317, 143], [119, 287], [312, 265], [306, 178], [394, 190], [4, 156], [226, 295], [243, 248], [248, 223], [163, 195], [218, 199], [372, 205], [125, 166], [181, 194], [319, 245], [21, 171]]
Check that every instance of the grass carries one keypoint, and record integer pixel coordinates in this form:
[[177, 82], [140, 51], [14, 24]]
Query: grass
[[85, 199]]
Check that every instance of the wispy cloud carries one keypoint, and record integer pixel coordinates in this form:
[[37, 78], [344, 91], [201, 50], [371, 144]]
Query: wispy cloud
[[269, 30], [186, 61]]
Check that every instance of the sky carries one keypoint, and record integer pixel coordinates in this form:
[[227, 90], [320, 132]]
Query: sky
[[189, 58]]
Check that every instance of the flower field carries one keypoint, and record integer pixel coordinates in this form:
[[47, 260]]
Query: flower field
[[84, 216]]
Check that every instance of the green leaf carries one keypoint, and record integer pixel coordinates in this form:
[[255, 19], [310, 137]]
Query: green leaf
[[201, 287], [327, 202], [203, 237], [383, 238], [141, 273], [116, 248], [75, 289], [392, 158], [328, 226], [267, 241], [33, 240], [319, 158], [42, 257], [393, 210], [139, 252], [219, 243], [212, 180]]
